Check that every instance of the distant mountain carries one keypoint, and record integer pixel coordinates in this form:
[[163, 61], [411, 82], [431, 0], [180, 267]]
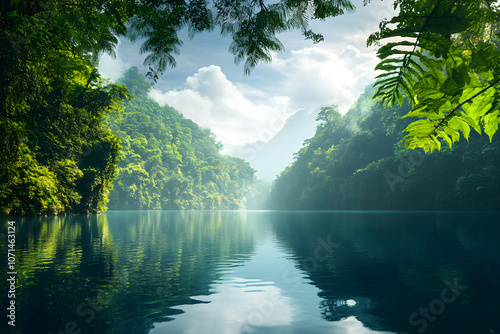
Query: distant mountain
[[271, 157]]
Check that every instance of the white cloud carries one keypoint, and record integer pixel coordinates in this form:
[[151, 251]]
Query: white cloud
[[237, 305], [112, 67], [320, 76], [212, 101], [337, 70], [311, 77], [246, 109]]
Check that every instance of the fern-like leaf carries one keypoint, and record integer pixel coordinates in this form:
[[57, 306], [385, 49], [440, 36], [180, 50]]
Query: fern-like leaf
[[449, 80]]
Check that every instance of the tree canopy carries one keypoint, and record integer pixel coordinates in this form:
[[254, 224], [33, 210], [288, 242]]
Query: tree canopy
[[55, 155], [93, 26]]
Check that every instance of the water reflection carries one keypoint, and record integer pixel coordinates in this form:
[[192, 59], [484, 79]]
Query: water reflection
[[257, 272], [120, 272], [268, 293], [60, 262], [172, 258], [396, 267]]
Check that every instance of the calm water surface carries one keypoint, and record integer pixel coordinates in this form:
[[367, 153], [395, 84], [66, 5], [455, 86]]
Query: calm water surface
[[256, 272]]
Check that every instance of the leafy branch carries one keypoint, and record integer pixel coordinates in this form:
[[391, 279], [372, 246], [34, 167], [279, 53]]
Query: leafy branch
[[400, 81], [442, 68], [451, 113]]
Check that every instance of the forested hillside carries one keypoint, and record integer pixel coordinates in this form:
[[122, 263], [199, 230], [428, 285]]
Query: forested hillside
[[440, 61], [57, 156], [357, 161], [168, 161]]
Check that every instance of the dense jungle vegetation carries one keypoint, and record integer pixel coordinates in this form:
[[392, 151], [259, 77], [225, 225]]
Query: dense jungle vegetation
[[168, 161], [357, 161], [58, 156], [440, 61]]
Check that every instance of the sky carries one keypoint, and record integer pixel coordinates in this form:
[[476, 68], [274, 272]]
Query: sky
[[209, 88]]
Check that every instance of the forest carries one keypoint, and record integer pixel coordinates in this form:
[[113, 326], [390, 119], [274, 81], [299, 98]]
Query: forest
[[73, 141], [120, 211], [443, 70], [168, 161], [156, 159], [357, 161]]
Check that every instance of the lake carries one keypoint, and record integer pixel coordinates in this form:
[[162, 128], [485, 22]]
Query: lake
[[256, 272]]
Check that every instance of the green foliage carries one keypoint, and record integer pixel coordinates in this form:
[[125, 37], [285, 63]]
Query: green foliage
[[445, 59], [253, 26], [169, 162], [134, 82], [52, 103], [92, 27], [57, 156], [358, 162]]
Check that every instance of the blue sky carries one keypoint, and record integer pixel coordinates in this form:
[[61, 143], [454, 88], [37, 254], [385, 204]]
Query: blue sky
[[209, 88]]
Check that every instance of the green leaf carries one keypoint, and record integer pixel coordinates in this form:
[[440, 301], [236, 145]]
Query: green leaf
[[461, 75], [437, 143], [491, 121], [450, 87], [457, 123], [454, 134], [444, 135]]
